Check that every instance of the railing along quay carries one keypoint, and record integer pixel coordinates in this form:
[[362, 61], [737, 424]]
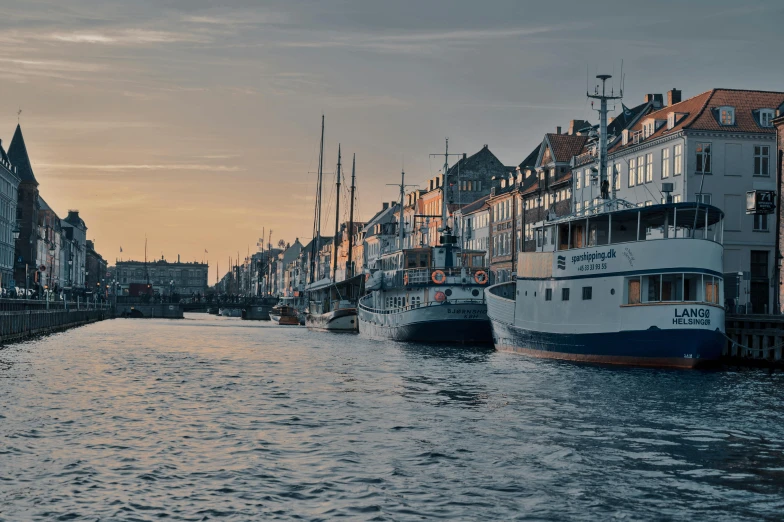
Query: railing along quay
[[21, 318], [755, 339]]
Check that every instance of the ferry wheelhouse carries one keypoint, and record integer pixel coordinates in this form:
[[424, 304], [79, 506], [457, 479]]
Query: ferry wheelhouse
[[618, 284], [430, 294]]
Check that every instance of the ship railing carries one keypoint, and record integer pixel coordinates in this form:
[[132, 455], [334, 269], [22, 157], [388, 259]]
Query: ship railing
[[501, 302], [408, 307]]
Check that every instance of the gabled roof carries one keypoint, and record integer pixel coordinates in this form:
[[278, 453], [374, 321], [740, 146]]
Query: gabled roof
[[468, 162], [530, 161], [563, 146], [701, 113], [17, 154]]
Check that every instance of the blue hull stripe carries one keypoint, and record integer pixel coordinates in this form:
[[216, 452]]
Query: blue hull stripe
[[654, 347]]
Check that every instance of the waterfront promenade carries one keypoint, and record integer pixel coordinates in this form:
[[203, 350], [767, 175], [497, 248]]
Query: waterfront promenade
[[217, 418]]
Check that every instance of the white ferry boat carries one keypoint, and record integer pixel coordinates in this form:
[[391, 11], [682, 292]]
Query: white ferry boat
[[427, 294], [635, 285], [431, 294]]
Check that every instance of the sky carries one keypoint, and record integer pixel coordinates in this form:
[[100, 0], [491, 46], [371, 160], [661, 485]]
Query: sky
[[196, 124]]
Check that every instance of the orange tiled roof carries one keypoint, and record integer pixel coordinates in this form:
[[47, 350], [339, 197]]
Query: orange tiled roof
[[564, 146], [701, 113]]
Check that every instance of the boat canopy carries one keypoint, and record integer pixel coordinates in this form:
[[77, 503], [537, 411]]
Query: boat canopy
[[667, 221]]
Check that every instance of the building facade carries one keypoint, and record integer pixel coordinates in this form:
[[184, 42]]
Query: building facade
[[184, 279], [96, 278], [712, 148], [9, 185]]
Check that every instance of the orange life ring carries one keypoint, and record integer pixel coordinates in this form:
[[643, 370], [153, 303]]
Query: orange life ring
[[405, 278], [440, 296], [480, 277], [438, 277]]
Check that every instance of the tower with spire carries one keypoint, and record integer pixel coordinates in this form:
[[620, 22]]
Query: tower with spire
[[27, 212]]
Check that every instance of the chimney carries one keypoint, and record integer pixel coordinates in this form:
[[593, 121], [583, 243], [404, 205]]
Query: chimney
[[648, 98], [673, 96], [558, 130], [576, 125], [464, 155], [178, 258], [384, 205], [658, 101]]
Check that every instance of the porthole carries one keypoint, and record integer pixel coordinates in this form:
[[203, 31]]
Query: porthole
[[526, 293], [612, 291], [475, 292], [534, 294], [448, 291]]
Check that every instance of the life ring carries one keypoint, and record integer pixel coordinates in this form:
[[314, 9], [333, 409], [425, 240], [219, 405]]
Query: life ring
[[405, 279], [480, 277], [440, 296], [438, 277]]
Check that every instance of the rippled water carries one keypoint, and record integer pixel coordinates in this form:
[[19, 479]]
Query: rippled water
[[211, 418]]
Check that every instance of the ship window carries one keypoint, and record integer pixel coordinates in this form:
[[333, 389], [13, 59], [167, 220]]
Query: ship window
[[653, 284], [634, 291], [564, 294], [691, 286], [548, 294], [711, 290], [587, 293]]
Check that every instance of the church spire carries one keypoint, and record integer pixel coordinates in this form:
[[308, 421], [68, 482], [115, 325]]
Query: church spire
[[17, 154]]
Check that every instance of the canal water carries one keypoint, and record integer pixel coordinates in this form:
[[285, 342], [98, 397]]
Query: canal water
[[215, 418]]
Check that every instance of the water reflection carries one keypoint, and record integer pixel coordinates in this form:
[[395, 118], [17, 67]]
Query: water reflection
[[215, 418]]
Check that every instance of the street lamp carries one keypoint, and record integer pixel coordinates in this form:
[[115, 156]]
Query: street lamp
[[15, 232]]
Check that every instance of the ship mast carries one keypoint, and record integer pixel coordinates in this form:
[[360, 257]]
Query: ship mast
[[603, 98], [337, 223], [315, 246], [401, 231], [349, 267]]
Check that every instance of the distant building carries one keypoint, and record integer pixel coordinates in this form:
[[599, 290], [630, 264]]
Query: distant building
[[778, 124], [49, 248], [9, 185], [75, 238], [96, 268], [185, 279]]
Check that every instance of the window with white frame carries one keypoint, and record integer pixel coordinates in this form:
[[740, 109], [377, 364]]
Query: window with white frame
[[670, 120], [766, 117], [632, 171], [649, 167], [761, 160], [640, 170], [677, 166], [760, 222], [578, 206], [676, 198], [665, 163], [726, 116], [577, 180], [705, 199], [703, 158], [587, 178]]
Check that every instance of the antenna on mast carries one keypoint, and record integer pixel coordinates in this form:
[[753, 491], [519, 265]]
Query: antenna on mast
[[603, 97]]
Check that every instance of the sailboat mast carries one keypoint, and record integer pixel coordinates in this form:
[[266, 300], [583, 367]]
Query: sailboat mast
[[401, 232], [315, 246], [337, 222], [444, 185], [349, 267]]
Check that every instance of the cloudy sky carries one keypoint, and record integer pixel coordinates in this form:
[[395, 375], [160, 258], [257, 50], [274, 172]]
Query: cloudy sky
[[197, 122]]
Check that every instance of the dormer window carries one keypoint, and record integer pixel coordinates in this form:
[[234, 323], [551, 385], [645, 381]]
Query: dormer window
[[648, 128], [727, 115], [766, 117]]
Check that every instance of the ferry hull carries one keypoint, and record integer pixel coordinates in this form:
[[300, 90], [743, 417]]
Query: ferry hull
[[652, 348], [337, 321], [445, 323]]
